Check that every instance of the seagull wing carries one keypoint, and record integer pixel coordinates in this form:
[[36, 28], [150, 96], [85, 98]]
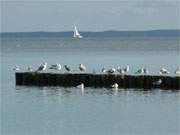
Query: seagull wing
[[40, 68]]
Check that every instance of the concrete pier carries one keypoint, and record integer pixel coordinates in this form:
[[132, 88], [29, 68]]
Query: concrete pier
[[96, 80]]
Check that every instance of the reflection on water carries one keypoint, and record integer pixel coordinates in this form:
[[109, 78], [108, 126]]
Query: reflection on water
[[67, 111], [124, 111], [73, 91]]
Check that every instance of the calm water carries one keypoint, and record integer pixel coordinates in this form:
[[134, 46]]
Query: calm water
[[69, 111]]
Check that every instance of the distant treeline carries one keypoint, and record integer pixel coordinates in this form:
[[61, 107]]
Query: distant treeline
[[152, 33]]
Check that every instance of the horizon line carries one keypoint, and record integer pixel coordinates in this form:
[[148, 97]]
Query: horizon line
[[178, 29]]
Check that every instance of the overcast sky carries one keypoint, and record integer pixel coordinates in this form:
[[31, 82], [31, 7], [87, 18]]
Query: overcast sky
[[48, 15]]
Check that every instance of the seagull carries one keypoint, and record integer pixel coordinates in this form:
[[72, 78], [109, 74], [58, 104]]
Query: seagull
[[67, 68], [177, 71], [16, 68], [120, 70], [104, 70], [82, 67], [81, 86], [158, 82], [140, 71], [111, 71], [42, 67], [126, 69], [30, 68], [146, 71], [115, 86], [163, 71], [55, 67]]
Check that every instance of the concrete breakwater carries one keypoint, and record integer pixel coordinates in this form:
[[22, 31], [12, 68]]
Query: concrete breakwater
[[97, 80]]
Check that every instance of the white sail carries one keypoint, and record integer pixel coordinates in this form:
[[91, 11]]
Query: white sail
[[76, 33]]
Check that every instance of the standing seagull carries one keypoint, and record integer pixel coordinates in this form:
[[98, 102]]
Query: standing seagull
[[55, 67], [140, 71], [177, 71], [42, 67], [126, 69], [146, 71], [82, 67], [30, 68], [16, 68], [120, 70], [111, 71], [103, 70], [163, 71], [67, 68]]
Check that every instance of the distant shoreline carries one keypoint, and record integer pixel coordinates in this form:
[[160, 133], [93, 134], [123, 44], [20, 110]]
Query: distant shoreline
[[147, 33]]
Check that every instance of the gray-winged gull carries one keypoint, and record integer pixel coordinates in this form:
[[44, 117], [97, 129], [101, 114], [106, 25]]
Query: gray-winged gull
[[82, 67], [16, 68], [126, 69], [67, 68], [120, 70], [111, 71], [163, 71], [30, 68], [103, 70], [140, 71], [177, 71], [146, 71], [42, 67], [55, 67]]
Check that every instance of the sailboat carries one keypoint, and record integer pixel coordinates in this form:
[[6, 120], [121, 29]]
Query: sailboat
[[76, 33]]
